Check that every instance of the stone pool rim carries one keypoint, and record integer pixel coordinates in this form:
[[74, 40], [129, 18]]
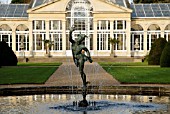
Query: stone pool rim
[[137, 89]]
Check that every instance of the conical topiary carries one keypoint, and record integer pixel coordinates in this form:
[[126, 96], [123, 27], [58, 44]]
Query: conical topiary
[[165, 57], [156, 51]]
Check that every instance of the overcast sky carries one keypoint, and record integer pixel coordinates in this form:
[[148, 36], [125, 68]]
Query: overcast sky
[[5, 1], [8, 1]]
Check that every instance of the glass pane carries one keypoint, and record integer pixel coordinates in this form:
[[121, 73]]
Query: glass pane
[[38, 2], [25, 11], [166, 13], [148, 10], [19, 10], [155, 7], [120, 2], [139, 10], [3, 8], [163, 6], [10, 10]]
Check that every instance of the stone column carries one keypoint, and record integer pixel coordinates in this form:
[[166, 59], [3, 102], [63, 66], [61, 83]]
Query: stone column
[[111, 36], [47, 30], [145, 41], [95, 38], [14, 40], [31, 38], [47, 37], [162, 32], [64, 37], [128, 37]]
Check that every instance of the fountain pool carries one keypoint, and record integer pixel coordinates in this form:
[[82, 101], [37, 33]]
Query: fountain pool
[[100, 104]]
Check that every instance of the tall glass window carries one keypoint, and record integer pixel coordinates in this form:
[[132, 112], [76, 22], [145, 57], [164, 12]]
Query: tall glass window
[[103, 25], [119, 33], [121, 37], [103, 35], [119, 25], [56, 34], [39, 35], [22, 38], [38, 25], [153, 33], [79, 14], [137, 37], [55, 25], [6, 34]]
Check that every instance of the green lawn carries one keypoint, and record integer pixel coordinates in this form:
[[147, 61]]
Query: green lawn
[[26, 73], [123, 64], [39, 64], [138, 73]]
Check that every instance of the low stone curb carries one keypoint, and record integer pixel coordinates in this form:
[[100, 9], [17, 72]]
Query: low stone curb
[[118, 90]]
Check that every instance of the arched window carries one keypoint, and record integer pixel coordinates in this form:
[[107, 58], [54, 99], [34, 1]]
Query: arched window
[[79, 15], [137, 37], [167, 27], [22, 27], [22, 38], [167, 32], [6, 34], [136, 27], [153, 33], [154, 27]]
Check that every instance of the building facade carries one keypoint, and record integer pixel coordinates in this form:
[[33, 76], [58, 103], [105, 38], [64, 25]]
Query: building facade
[[26, 27]]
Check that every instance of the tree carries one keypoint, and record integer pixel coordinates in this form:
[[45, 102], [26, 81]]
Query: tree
[[20, 1], [7, 56], [156, 51], [165, 57], [150, 1], [113, 42]]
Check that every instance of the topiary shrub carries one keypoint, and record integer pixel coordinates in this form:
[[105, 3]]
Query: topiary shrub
[[7, 56], [165, 57], [156, 51]]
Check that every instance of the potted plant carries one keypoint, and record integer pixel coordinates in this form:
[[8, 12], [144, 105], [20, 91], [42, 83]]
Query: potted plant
[[48, 44], [113, 42]]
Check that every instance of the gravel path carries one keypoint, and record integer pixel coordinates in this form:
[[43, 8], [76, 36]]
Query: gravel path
[[68, 74]]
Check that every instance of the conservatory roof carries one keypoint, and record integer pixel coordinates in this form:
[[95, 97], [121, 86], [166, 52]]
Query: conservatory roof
[[36, 3], [13, 10], [150, 10], [139, 10]]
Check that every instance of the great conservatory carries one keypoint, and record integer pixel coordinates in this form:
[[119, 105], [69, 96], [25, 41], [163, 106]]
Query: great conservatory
[[26, 27]]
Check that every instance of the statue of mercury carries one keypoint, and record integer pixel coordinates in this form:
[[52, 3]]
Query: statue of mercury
[[79, 52]]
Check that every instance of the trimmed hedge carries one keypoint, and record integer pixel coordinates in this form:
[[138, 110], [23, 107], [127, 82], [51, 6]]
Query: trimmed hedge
[[156, 51], [165, 57], [7, 56]]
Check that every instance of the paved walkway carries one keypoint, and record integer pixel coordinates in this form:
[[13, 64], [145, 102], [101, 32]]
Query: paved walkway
[[68, 74]]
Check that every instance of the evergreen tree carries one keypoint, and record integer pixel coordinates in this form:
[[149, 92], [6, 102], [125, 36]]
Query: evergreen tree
[[151, 1], [20, 1], [165, 57], [156, 51]]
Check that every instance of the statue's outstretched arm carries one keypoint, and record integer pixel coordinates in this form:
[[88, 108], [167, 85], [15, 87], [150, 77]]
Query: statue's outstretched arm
[[70, 35]]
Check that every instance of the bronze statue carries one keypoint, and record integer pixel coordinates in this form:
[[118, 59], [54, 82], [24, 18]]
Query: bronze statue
[[79, 57]]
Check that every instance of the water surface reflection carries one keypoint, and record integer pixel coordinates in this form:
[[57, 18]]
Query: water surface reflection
[[58, 104]]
